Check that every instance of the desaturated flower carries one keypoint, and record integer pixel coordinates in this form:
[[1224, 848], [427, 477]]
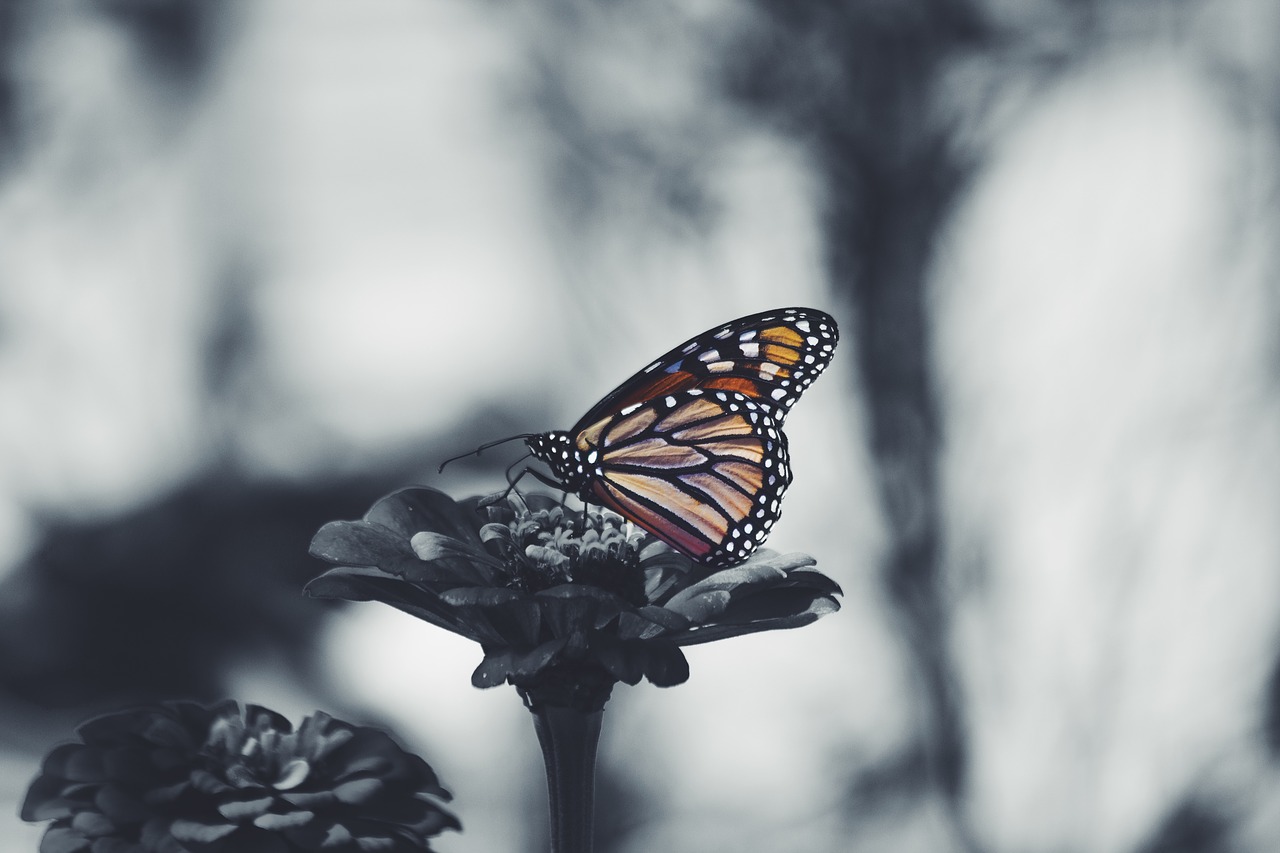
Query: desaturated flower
[[180, 776], [564, 603]]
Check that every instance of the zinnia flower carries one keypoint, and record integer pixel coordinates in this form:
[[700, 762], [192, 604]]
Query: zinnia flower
[[564, 603], [179, 776]]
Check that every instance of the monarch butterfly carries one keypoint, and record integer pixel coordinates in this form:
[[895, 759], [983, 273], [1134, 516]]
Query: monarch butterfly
[[691, 447]]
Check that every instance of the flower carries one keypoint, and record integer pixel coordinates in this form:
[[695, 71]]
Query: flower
[[564, 603], [179, 776]]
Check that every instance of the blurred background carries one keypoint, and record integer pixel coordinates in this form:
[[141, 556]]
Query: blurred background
[[262, 261]]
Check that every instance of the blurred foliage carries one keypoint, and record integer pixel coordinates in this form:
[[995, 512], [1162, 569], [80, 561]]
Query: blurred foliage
[[178, 37], [858, 83], [11, 21], [159, 601], [1192, 827]]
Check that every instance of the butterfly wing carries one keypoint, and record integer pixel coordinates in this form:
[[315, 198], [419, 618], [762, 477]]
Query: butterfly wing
[[702, 471], [770, 357]]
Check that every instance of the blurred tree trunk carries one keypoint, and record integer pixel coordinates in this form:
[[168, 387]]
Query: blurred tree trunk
[[859, 83]]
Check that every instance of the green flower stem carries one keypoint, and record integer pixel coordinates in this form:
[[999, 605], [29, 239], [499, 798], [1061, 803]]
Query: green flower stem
[[568, 738]]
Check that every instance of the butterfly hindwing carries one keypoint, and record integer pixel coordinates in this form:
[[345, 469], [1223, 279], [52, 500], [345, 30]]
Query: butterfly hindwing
[[770, 357], [702, 470]]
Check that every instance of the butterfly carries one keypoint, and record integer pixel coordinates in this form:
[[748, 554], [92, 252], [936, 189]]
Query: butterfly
[[691, 448]]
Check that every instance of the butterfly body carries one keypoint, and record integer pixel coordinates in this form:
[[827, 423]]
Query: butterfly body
[[691, 448]]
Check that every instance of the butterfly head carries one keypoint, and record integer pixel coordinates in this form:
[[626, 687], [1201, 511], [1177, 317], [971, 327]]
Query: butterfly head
[[567, 462]]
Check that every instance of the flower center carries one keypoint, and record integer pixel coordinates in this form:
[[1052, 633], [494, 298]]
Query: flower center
[[556, 546], [264, 758]]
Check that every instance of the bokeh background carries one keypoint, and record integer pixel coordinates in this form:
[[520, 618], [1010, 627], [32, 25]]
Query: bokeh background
[[262, 261]]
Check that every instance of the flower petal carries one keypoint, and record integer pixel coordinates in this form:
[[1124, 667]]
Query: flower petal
[[93, 824], [84, 764], [170, 727], [259, 719], [360, 543], [501, 664], [431, 547], [815, 580], [404, 811], [493, 670], [292, 775], [649, 622], [63, 839], [479, 596], [665, 665], [495, 531], [155, 836], [200, 833], [363, 584], [701, 607], [578, 590], [518, 621], [747, 574], [308, 799], [409, 511], [320, 734], [116, 845], [207, 783], [289, 820], [358, 791], [576, 613], [772, 610], [166, 793], [242, 810], [786, 562], [364, 544], [126, 765], [622, 660], [658, 552], [120, 805], [44, 800]]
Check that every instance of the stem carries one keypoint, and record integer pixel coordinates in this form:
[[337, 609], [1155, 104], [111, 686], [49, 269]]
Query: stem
[[568, 738]]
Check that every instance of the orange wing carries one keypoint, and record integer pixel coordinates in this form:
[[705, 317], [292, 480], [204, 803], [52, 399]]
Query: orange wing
[[771, 357], [703, 471]]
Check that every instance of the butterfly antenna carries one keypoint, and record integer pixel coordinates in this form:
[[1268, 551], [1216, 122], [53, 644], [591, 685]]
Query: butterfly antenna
[[482, 448]]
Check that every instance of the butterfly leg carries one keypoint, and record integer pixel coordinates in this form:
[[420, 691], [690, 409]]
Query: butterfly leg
[[511, 485]]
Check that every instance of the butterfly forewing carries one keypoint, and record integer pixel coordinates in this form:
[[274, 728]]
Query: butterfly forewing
[[770, 357], [704, 471]]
